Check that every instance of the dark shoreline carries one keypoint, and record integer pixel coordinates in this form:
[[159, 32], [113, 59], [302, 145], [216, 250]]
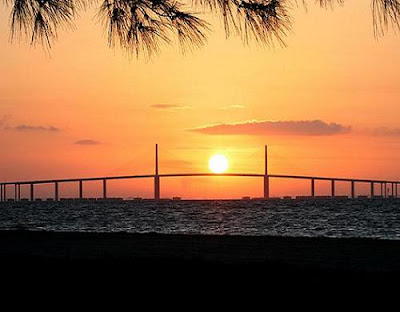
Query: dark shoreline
[[278, 258]]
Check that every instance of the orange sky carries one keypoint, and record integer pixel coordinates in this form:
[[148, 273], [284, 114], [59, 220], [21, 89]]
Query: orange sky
[[333, 70]]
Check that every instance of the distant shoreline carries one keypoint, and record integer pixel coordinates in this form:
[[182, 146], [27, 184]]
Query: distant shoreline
[[244, 198], [318, 257]]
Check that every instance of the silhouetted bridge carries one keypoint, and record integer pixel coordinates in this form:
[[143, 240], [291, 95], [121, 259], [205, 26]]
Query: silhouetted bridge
[[157, 176]]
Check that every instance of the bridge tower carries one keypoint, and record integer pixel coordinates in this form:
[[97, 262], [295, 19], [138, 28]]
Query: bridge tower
[[266, 177], [156, 178]]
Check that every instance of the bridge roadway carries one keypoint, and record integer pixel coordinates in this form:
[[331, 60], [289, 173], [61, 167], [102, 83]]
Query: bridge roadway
[[266, 177]]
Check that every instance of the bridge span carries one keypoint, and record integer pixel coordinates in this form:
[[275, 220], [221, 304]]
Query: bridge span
[[16, 185]]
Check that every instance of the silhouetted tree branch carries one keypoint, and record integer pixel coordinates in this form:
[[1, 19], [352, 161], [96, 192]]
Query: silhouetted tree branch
[[140, 26]]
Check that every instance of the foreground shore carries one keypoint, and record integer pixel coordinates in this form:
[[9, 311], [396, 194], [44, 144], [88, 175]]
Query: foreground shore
[[279, 258]]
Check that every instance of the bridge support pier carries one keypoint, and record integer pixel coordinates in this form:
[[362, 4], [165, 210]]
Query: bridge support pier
[[372, 189], [1, 192], [156, 178], [384, 185], [157, 187], [5, 192], [56, 191], [104, 188], [312, 188], [15, 192], [80, 189], [266, 186], [353, 193], [392, 189], [266, 176], [19, 192], [333, 188], [32, 197]]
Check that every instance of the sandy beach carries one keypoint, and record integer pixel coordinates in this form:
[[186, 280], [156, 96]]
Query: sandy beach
[[279, 258]]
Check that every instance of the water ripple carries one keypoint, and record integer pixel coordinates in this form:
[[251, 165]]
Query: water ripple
[[333, 218]]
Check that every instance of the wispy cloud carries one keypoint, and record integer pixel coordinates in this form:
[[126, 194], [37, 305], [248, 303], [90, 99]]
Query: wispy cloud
[[267, 127], [232, 107], [87, 142], [5, 125], [170, 107], [27, 128]]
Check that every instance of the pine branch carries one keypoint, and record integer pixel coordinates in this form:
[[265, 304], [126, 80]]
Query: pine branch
[[141, 26]]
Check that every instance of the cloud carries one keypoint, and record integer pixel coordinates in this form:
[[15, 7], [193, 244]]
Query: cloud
[[87, 142], [170, 106], [266, 127], [232, 107], [4, 124], [34, 128]]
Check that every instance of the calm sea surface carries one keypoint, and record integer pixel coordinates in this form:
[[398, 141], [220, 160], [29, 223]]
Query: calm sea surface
[[379, 218]]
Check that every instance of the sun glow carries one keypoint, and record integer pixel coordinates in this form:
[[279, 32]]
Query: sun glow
[[218, 163]]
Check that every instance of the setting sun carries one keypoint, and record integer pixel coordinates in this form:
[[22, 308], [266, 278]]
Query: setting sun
[[218, 163]]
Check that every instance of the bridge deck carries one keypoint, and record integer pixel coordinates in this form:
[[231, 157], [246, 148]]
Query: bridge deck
[[166, 175], [156, 176]]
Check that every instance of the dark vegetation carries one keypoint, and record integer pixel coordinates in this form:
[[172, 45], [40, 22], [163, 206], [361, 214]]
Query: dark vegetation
[[141, 26]]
